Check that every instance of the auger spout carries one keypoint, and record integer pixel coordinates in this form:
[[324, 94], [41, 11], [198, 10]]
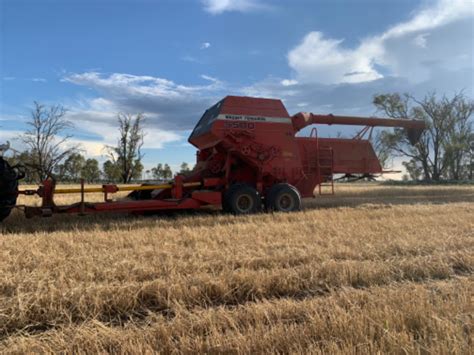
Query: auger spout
[[414, 128]]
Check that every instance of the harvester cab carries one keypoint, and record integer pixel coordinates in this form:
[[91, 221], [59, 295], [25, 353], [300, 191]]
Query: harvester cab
[[249, 159]]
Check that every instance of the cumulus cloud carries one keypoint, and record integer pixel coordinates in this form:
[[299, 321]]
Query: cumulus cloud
[[324, 60], [401, 50], [217, 7], [205, 45]]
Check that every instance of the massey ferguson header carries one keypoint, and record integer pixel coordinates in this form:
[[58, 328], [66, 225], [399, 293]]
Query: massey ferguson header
[[249, 159]]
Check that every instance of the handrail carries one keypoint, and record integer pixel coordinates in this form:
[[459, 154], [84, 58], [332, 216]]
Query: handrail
[[314, 134]]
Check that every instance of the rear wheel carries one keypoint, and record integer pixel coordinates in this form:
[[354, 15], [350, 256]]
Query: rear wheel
[[283, 198], [8, 188], [242, 199]]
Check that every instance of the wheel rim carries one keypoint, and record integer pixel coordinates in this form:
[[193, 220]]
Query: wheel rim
[[245, 203], [286, 202]]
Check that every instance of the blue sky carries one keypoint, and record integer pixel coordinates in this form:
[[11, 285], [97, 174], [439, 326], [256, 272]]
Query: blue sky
[[172, 59]]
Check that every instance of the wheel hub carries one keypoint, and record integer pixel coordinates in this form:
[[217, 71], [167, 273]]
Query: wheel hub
[[286, 202], [245, 203]]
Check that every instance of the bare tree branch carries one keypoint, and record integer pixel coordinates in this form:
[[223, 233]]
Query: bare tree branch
[[127, 155], [47, 138]]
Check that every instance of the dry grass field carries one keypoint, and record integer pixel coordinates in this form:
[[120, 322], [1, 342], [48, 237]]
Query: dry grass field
[[372, 269]]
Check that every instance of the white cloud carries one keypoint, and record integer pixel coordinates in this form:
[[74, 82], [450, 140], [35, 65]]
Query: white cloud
[[289, 82], [38, 80], [326, 60], [205, 45], [442, 13], [217, 7], [210, 78], [420, 40], [11, 136]]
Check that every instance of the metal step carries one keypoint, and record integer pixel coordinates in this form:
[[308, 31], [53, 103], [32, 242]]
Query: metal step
[[325, 166]]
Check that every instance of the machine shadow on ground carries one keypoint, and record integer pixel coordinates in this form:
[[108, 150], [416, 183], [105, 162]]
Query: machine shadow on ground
[[375, 197]]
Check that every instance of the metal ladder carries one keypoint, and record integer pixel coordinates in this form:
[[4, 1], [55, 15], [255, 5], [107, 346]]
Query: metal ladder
[[326, 170], [324, 165]]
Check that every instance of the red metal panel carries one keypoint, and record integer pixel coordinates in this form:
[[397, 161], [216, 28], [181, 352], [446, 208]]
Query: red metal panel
[[351, 156], [208, 197], [131, 206], [212, 182], [253, 106]]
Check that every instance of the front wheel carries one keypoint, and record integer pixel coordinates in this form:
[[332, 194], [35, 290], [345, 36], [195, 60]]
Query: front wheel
[[283, 198], [242, 199]]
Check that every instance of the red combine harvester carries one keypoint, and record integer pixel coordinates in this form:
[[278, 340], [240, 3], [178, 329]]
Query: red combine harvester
[[249, 159]]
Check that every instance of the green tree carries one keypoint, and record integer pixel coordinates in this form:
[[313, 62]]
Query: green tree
[[414, 171], [127, 154], [137, 170], [381, 149], [459, 140], [184, 168], [26, 160], [167, 173], [443, 147], [111, 171], [90, 171], [157, 172], [470, 164], [71, 169]]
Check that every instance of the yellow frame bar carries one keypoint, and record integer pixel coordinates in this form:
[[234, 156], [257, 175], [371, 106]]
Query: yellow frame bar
[[123, 188]]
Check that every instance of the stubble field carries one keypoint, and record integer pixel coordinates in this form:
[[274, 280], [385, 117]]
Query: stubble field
[[372, 269]]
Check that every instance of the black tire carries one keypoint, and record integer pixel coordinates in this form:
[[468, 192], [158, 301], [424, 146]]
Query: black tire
[[138, 195], [225, 203], [8, 188], [226, 195], [242, 199], [283, 198]]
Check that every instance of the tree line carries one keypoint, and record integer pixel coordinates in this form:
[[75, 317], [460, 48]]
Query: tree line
[[445, 150], [50, 153]]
